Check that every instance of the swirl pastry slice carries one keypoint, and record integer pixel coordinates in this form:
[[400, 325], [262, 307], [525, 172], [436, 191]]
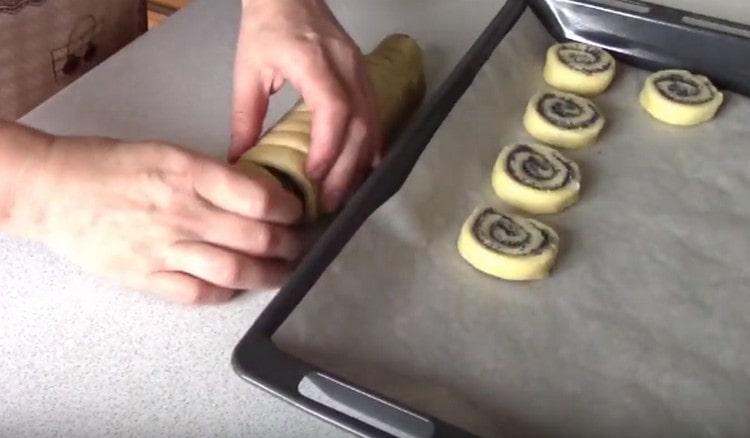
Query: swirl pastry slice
[[536, 178], [562, 119], [508, 246], [397, 73], [579, 68], [679, 97]]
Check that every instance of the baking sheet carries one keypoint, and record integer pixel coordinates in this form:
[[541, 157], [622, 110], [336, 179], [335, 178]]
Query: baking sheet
[[640, 330]]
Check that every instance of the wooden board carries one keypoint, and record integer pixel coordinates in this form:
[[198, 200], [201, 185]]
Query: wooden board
[[171, 4]]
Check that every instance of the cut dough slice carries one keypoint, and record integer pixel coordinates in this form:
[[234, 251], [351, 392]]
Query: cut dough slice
[[508, 246], [563, 119], [579, 68], [679, 97], [536, 178], [288, 166]]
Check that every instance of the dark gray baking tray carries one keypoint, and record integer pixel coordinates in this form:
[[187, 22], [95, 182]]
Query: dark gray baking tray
[[642, 34]]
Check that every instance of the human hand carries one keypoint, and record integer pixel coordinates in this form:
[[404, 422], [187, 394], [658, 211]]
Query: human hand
[[158, 218], [301, 41]]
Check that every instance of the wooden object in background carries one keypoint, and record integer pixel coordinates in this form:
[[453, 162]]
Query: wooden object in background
[[159, 10]]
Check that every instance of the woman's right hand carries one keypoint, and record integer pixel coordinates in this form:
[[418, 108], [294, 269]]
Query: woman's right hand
[[156, 217]]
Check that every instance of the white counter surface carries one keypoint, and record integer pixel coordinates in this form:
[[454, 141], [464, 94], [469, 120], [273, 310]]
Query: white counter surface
[[79, 357]]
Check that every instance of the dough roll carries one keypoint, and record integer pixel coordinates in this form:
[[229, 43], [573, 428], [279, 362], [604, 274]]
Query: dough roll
[[508, 246], [563, 119], [256, 171], [679, 97], [579, 68], [396, 70], [536, 178], [287, 165]]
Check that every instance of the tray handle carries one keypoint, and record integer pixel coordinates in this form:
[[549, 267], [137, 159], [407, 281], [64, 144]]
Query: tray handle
[[331, 398]]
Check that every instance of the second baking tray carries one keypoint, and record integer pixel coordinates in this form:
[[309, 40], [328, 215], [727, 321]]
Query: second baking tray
[[640, 330]]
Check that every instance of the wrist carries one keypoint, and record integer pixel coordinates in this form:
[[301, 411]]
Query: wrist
[[23, 153]]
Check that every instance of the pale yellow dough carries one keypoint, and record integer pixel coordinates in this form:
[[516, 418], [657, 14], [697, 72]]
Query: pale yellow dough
[[291, 163], [563, 119], [579, 68], [397, 72], [536, 178], [256, 171], [681, 98], [520, 262]]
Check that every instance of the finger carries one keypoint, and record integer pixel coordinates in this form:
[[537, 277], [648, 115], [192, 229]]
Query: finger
[[362, 140], [250, 104], [225, 268], [249, 101], [322, 91], [182, 288], [371, 111], [250, 237], [255, 198], [340, 180]]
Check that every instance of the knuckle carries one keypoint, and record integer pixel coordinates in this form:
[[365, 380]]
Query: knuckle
[[309, 54], [239, 117], [266, 239], [359, 128], [311, 38], [180, 162], [166, 154], [229, 271], [160, 187], [338, 107], [349, 53]]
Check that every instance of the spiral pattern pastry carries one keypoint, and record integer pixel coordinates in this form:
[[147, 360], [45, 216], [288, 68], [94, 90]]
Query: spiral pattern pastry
[[508, 246], [536, 178], [579, 68], [396, 70], [563, 119], [679, 97]]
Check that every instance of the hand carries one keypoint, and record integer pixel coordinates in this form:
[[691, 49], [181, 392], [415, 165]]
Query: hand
[[301, 41], [158, 218]]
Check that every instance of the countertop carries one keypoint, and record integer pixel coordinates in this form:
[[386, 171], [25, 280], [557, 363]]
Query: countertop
[[81, 357]]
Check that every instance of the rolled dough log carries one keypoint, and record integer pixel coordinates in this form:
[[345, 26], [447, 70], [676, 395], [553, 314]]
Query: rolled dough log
[[396, 70]]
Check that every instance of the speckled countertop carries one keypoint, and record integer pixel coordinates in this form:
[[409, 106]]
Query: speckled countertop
[[79, 357]]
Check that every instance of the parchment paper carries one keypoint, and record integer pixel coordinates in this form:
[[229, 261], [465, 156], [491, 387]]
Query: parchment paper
[[642, 328]]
